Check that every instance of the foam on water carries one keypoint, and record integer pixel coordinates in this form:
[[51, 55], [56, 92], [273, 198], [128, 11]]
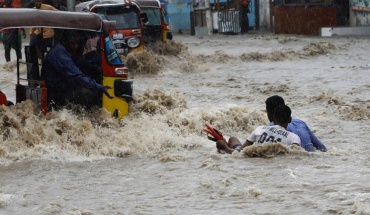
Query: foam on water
[[173, 168], [157, 121]]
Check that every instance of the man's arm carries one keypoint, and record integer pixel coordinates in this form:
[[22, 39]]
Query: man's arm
[[301, 129], [73, 73], [247, 143], [32, 31], [317, 143], [89, 69], [222, 145], [47, 7], [308, 138]]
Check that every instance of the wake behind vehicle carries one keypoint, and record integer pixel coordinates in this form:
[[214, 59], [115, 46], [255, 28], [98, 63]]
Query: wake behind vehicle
[[127, 36], [114, 73]]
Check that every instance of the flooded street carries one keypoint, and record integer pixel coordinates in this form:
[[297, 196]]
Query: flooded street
[[157, 160]]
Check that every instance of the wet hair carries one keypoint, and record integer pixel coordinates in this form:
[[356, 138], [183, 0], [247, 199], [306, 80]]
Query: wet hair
[[273, 102], [73, 40], [71, 37], [282, 114]]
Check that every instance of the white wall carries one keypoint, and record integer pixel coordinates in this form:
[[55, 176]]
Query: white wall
[[264, 14]]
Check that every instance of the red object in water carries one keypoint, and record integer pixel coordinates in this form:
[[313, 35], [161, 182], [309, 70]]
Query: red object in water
[[216, 134], [3, 99]]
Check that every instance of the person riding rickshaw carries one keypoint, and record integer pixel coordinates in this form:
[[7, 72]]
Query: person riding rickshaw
[[113, 75]]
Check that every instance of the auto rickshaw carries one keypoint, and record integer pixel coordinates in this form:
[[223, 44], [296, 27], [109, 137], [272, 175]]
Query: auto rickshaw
[[156, 28], [114, 73], [127, 36]]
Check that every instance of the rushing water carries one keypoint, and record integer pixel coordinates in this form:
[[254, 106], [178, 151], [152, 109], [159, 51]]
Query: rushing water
[[157, 160]]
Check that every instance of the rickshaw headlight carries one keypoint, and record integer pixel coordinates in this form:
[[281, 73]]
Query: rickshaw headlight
[[133, 42], [122, 72]]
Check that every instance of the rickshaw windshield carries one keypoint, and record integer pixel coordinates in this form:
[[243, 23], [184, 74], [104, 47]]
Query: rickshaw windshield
[[125, 18], [154, 15], [91, 51]]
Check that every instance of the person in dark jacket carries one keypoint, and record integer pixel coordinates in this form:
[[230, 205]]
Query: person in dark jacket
[[68, 77], [244, 21]]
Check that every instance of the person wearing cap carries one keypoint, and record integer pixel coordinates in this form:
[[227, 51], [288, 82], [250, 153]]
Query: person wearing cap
[[308, 140], [68, 78], [265, 134]]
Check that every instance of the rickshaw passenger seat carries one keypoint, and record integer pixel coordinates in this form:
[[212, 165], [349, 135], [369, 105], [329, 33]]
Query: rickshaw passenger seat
[[38, 95]]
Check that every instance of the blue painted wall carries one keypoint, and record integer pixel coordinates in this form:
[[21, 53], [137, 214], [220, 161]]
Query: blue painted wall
[[252, 14], [178, 13]]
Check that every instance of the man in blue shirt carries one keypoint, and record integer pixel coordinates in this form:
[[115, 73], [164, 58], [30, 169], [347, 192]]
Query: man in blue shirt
[[68, 78], [308, 140]]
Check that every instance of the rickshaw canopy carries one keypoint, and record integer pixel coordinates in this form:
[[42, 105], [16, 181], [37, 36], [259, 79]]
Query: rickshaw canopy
[[87, 6], [26, 17], [148, 3]]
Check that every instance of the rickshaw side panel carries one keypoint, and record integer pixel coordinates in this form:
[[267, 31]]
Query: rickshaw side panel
[[115, 76], [119, 105]]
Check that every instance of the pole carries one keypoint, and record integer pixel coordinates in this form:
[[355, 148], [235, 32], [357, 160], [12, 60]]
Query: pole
[[271, 16], [208, 17], [18, 47]]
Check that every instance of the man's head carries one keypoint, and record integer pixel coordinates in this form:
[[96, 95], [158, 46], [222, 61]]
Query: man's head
[[56, 4], [73, 41], [282, 115], [271, 103], [38, 4]]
